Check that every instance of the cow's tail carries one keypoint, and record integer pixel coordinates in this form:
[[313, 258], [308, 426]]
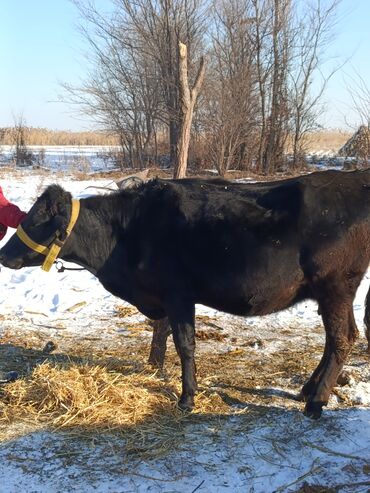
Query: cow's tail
[[367, 319]]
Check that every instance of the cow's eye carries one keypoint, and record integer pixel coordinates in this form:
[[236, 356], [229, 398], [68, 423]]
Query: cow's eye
[[39, 219]]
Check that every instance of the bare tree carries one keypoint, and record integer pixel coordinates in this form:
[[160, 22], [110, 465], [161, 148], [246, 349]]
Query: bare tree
[[22, 155], [230, 104], [188, 98], [272, 40], [311, 37], [290, 37], [134, 84], [262, 55], [119, 91], [359, 92], [161, 25]]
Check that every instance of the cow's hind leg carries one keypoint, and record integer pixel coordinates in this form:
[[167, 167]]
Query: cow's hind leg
[[161, 331], [335, 299], [367, 320], [182, 320], [309, 387]]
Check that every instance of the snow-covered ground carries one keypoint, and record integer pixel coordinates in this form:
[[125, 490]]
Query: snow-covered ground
[[277, 450], [101, 158], [66, 158]]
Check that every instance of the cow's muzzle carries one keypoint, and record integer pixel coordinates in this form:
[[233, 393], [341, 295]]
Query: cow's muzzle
[[11, 263]]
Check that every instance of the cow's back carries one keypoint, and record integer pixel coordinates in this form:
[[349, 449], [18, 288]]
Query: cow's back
[[245, 248]]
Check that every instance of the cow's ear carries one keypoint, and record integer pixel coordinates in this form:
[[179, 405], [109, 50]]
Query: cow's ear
[[56, 200], [60, 224]]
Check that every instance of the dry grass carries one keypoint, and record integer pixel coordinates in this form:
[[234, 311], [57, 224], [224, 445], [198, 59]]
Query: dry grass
[[315, 488], [326, 140], [87, 390], [85, 396], [86, 399], [123, 311], [115, 394]]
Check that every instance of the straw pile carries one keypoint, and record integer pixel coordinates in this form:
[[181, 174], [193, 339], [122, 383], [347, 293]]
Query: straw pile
[[84, 396], [117, 394], [358, 146], [81, 399], [114, 391]]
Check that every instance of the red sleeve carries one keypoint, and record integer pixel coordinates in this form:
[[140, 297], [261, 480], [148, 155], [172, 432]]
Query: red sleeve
[[10, 214]]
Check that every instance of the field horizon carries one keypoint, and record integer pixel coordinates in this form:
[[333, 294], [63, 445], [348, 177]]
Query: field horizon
[[325, 140]]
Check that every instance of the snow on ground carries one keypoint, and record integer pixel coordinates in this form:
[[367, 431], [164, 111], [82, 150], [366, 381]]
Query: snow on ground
[[67, 158], [277, 450], [96, 158]]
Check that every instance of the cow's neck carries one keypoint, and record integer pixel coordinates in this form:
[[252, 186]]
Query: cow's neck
[[98, 230]]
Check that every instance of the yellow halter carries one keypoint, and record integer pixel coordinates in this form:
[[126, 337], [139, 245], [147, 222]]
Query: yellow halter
[[51, 252]]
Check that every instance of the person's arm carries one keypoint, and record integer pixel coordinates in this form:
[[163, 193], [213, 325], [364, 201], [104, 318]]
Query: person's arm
[[10, 214]]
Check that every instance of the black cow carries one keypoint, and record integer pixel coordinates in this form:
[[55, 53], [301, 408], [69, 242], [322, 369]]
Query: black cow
[[246, 249]]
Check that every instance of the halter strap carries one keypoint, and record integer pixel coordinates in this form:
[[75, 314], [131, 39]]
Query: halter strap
[[51, 252]]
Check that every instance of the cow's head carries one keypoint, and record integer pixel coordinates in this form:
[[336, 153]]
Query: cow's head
[[46, 224]]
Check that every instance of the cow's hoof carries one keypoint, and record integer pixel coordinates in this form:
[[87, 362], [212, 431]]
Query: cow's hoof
[[7, 377], [157, 364], [313, 410], [49, 347], [301, 397], [186, 404], [307, 391]]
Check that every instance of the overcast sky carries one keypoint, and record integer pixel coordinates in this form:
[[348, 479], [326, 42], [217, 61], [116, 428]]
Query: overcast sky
[[40, 47]]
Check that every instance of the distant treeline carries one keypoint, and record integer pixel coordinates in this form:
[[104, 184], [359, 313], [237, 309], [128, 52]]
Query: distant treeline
[[44, 136]]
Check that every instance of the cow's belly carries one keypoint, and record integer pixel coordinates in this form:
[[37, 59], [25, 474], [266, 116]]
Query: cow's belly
[[264, 300], [145, 301], [253, 285], [271, 284]]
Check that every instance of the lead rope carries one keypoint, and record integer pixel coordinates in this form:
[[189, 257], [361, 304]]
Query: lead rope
[[61, 268]]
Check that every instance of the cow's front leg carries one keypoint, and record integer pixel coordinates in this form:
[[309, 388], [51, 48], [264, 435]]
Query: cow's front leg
[[182, 320], [161, 331]]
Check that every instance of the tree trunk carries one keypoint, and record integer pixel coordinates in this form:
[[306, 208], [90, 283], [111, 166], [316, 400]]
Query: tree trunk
[[269, 156], [187, 102]]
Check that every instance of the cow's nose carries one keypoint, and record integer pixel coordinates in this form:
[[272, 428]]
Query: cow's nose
[[11, 263]]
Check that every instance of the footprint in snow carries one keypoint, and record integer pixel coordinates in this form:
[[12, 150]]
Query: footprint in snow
[[18, 278], [55, 302]]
